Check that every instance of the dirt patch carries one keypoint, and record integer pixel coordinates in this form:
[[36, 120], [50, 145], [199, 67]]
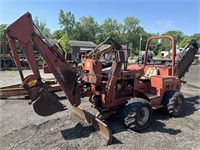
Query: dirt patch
[[22, 129]]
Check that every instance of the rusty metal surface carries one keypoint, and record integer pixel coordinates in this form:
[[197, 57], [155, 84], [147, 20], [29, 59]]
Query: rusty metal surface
[[65, 74], [46, 104], [112, 79], [173, 46], [9, 92], [101, 127], [18, 90]]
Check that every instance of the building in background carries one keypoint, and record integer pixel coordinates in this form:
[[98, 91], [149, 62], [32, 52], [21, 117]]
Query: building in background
[[78, 48], [81, 48]]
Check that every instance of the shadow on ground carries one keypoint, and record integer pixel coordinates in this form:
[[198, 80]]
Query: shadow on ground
[[79, 131], [117, 125]]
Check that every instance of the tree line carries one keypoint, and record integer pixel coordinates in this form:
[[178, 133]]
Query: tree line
[[87, 29]]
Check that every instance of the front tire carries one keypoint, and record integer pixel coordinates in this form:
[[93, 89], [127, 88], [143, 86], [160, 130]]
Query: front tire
[[137, 114], [173, 103]]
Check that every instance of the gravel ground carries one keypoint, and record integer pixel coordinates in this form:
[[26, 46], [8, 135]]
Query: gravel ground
[[22, 129]]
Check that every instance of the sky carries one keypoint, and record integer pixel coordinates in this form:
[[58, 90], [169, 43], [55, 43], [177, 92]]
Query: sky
[[156, 16]]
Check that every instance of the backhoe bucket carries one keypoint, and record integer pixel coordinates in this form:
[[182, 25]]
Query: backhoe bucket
[[46, 104], [101, 127]]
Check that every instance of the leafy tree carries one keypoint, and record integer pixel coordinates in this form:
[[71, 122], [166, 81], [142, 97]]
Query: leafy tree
[[144, 37], [184, 42], [77, 32], [42, 27], [65, 45], [67, 22], [130, 24], [87, 29], [111, 28], [196, 36], [178, 35], [2, 35], [57, 34], [135, 34], [139, 40]]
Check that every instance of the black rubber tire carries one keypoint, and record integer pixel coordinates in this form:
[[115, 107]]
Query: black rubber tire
[[134, 110], [173, 103]]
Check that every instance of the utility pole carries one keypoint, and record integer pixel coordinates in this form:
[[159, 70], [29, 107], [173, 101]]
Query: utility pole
[[140, 43]]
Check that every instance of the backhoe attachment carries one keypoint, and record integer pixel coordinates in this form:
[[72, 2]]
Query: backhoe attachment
[[22, 32]]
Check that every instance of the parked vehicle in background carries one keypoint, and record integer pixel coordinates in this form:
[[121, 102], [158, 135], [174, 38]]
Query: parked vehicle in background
[[140, 59], [197, 58]]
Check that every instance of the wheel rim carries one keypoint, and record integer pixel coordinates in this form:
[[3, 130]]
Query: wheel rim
[[143, 116], [178, 105]]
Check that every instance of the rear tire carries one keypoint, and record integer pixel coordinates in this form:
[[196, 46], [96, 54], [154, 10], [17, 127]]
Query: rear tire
[[173, 103], [137, 114]]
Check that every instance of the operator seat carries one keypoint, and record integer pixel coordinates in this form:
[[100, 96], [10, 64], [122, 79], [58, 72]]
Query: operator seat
[[150, 72]]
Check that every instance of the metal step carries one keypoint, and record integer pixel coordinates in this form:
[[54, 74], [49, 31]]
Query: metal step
[[151, 95]]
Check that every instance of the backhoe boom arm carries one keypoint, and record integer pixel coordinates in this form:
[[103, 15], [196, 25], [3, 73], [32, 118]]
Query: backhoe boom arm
[[23, 32]]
